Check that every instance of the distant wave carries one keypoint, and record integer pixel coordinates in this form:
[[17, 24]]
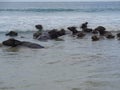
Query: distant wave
[[38, 10], [62, 10]]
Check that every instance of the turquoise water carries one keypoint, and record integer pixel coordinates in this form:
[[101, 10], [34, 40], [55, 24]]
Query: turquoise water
[[71, 64]]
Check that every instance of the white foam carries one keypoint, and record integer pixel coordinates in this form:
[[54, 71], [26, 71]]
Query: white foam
[[27, 21]]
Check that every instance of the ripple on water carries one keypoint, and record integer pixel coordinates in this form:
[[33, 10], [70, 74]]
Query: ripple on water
[[7, 88], [100, 85], [96, 83], [76, 89], [85, 58], [54, 62]]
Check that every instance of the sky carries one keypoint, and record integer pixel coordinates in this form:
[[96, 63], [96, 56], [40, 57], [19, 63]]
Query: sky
[[52, 0]]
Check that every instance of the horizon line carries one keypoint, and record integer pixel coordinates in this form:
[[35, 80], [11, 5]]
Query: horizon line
[[54, 1]]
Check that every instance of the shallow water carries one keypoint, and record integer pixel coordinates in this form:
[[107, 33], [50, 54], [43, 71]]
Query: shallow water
[[23, 16], [72, 64]]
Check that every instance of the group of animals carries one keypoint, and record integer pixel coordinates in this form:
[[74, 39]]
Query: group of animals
[[55, 34]]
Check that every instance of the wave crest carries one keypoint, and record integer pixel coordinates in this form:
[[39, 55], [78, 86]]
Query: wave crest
[[62, 10]]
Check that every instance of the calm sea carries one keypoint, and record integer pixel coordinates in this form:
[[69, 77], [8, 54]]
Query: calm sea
[[71, 64]]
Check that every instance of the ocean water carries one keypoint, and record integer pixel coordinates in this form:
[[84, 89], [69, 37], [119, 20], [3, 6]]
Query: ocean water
[[71, 64], [23, 16]]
